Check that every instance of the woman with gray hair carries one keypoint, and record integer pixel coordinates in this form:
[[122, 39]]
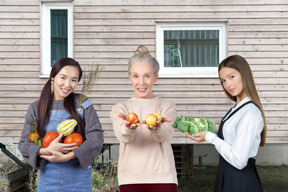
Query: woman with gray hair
[[146, 161]]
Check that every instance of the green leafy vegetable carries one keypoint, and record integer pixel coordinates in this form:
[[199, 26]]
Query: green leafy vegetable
[[193, 125]]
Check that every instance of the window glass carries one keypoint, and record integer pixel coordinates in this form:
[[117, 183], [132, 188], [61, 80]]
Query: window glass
[[56, 34], [190, 50], [59, 25], [197, 48]]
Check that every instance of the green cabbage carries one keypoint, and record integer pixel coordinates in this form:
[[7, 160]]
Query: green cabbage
[[193, 125]]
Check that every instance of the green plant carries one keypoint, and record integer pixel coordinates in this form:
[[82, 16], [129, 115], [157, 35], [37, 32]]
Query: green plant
[[7, 166], [3, 185], [33, 180], [88, 82], [104, 177]]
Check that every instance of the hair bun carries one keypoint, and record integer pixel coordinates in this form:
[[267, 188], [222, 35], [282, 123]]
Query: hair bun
[[142, 50]]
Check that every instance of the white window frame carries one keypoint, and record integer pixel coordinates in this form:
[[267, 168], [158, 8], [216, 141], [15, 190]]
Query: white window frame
[[201, 72], [46, 34]]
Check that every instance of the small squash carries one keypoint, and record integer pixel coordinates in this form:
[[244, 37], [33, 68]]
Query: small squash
[[66, 127]]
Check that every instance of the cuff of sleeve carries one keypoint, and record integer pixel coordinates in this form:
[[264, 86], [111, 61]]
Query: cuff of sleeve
[[210, 136], [81, 158], [35, 163], [128, 131], [159, 130]]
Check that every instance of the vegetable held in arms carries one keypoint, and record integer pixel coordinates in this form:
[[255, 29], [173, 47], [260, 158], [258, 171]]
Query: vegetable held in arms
[[193, 125], [74, 138], [33, 135], [49, 137], [66, 127]]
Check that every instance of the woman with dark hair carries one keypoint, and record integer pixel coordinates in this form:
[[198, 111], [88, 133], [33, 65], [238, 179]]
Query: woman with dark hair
[[63, 167], [241, 132]]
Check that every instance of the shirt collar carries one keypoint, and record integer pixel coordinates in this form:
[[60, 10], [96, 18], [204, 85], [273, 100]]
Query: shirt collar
[[246, 99]]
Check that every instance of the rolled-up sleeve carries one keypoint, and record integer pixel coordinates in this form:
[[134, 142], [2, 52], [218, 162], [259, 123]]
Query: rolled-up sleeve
[[92, 146], [27, 148]]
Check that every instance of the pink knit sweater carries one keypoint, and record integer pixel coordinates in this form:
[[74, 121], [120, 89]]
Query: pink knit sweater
[[145, 156]]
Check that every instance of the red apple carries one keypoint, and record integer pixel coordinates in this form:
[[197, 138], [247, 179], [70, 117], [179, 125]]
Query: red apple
[[132, 118], [151, 119]]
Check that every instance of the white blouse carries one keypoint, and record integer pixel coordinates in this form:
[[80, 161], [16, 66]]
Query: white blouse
[[242, 134]]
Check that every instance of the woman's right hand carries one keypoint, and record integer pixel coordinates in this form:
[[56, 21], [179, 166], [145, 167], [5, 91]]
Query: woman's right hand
[[199, 137], [127, 124], [61, 147]]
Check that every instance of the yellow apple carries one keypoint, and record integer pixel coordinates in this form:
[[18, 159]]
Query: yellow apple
[[151, 119], [158, 116]]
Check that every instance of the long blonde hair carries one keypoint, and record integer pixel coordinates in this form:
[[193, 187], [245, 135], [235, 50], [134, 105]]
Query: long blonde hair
[[240, 64]]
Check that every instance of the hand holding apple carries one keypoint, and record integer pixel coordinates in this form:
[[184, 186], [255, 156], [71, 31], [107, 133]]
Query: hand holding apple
[[155, 123], [159, 117], [132, 118], [127, 122], [151, 120]]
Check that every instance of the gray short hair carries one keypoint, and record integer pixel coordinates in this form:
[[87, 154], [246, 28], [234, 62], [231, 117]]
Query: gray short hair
[[142, 54]]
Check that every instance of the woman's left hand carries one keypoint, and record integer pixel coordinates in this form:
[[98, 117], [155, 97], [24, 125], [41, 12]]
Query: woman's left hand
[[57, 156], [158, 124], [199, 137]]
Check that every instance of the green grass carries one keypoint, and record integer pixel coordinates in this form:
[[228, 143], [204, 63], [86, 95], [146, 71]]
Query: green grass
[[273, 179]]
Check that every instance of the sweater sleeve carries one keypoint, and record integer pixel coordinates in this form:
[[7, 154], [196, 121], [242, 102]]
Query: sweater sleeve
[[165, 132], [27, 148], [92, 146], [123, 134]]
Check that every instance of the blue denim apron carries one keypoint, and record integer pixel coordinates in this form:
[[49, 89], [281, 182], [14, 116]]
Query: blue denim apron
[[64, 176]]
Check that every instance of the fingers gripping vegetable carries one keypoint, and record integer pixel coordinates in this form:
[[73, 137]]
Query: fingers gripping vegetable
[[67, 126], [193, 125], [49, 137]]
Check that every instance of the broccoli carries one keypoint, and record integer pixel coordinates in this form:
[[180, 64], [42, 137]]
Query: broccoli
[[193, 125]]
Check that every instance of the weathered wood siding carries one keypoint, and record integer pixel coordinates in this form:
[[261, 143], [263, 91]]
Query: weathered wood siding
[[107, 32]]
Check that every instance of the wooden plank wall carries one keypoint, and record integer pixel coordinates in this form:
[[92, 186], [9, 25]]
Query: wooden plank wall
[[107, 32]]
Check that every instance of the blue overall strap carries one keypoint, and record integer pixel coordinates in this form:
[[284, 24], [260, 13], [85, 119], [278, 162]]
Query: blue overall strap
[[86, 104]]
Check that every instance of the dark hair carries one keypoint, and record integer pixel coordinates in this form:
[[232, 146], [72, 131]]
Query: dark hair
[[46, 98], [240, 64]]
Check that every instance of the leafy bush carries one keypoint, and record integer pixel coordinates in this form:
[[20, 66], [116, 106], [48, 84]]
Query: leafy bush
[[104, 177]]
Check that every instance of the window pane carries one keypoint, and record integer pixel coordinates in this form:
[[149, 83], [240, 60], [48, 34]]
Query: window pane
[[194, 48], [59, 35]]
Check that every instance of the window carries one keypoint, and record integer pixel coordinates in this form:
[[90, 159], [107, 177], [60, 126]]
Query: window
[[190, 50], [56, 34]]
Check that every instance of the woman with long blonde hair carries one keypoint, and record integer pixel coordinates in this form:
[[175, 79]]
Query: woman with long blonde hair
[[241, 132]]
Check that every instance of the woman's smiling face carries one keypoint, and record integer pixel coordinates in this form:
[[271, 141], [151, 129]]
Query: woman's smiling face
[[232, 82], [142, 78], [65, 82]]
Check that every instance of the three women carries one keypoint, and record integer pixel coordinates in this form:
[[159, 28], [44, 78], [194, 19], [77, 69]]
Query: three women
[[146, 159]]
